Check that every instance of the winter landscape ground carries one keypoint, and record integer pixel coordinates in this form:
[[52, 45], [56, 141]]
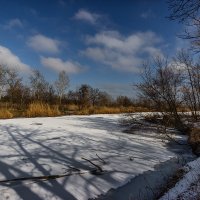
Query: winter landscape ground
[[34, 147]]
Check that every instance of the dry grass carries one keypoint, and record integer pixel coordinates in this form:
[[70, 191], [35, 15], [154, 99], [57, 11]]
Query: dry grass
[[42, 110], [38, 109], [105, 110], [5, 114], [71, 107]]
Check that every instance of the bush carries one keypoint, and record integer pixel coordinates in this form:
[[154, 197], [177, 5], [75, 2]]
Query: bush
[[42, 110], [153, 118], [5, 114]]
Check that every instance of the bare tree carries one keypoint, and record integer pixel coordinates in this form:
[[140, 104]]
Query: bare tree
[[94, 95], [62, 84], [162, 86], [188, 13], [84, 96], [191, 84], [73, 97], [124, 101], [104, 99], [39, 85], [2, 79], [14, 86], [51, 95]]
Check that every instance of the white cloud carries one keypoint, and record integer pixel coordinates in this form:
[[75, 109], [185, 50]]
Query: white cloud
[[10, 60], [113, 58], [87, 16], [59, 65], [177, 66], [44, 44], [13, 23], [120, 52]]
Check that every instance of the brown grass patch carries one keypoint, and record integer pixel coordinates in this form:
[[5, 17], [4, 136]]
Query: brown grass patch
[[71, 107], [105, 110], [5, 114], [42, 110]]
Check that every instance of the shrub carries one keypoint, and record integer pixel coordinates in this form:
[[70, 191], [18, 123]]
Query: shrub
[[42, 110], [153, 118], [5, 114]]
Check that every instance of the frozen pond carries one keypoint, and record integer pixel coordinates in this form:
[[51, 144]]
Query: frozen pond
[[49, 146]]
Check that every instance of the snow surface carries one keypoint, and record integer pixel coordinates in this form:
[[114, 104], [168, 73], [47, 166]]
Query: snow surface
[[189, 186], [44, 146]]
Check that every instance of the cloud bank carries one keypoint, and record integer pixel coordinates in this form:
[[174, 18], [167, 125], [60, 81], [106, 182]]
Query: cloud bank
[[41, 43], [125, 53], [10, 60], [59, 65]]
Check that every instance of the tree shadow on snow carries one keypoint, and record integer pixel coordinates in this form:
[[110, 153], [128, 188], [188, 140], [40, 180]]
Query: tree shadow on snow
[[34, 153], [24, 154]]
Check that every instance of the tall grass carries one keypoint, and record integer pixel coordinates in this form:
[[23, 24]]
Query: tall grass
[[38, 109], [108, 110], [42, 110], [5, 113]]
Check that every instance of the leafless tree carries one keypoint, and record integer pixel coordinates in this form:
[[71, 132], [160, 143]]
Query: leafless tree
[[124, 101], [191, 84], [188, 13], [51, 97], [62, 84], [94, 95], [2, 79], [103, 99], [84, 96], [161, 84], [14, 86], [39, 85]]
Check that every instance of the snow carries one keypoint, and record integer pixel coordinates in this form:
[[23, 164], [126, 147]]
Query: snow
[[48, 146], [189, 186]]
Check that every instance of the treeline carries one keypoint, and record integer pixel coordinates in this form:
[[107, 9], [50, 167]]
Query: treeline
[[18, 97]]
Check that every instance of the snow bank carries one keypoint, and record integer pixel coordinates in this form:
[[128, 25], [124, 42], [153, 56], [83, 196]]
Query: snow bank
[[189, 186]]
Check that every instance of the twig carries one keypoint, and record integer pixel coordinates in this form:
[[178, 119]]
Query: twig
[[103, 161], [97, 166], [47, 177]]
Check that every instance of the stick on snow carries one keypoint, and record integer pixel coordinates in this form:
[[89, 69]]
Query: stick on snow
[[49, 177], [97, 166], [46, 177], [103, 161]]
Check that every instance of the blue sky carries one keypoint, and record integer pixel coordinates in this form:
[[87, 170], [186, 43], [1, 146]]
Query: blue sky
[[98, 42]]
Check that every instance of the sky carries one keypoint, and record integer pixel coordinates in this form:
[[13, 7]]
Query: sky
[[102, 43]]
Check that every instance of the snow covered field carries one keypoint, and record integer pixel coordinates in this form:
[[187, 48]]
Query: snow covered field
[[49, 146]]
